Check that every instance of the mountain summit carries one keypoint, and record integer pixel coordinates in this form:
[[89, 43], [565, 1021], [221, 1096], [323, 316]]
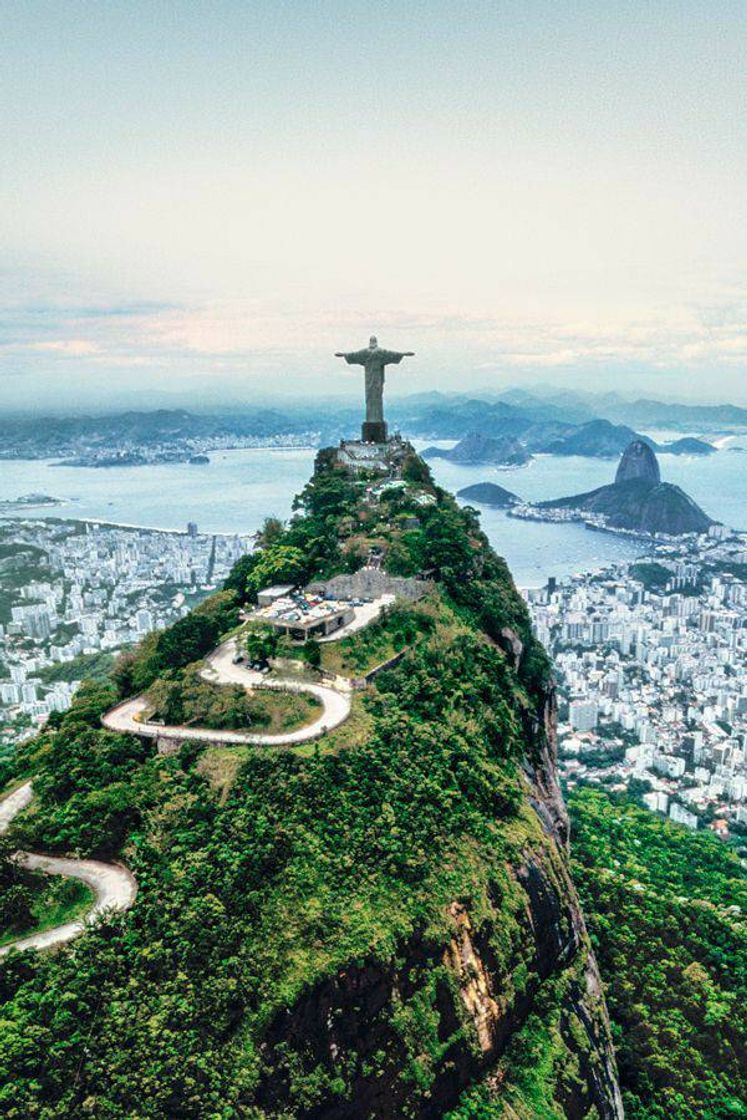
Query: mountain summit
[[638, 463], [638, 500], [382, 925]]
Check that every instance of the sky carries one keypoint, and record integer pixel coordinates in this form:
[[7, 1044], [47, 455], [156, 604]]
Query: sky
[[201, 202]]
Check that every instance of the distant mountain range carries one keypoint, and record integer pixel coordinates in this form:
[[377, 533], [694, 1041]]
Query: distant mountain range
[[514, 439], [642, 413], [92, 439], [440, 416], [521, 424]]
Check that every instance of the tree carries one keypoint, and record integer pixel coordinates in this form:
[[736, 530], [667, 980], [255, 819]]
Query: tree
[[260, 642], [237, 578], [272, 532], [281, 563], [417, 471]]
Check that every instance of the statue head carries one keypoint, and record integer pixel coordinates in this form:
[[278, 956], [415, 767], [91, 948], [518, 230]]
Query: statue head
[[373, 342]]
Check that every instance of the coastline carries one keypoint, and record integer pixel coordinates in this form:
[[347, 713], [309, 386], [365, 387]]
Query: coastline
[[104, 524], [77, 463]]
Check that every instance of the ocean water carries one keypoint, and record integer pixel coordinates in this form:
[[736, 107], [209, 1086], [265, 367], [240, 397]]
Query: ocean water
[[536, 550], [233, 493], [239, 488]]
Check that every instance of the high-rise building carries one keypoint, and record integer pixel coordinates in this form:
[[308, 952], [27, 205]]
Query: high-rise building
[[144, 621], [583, 714]]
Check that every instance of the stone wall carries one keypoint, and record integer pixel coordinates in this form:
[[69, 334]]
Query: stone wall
[[372, 583]]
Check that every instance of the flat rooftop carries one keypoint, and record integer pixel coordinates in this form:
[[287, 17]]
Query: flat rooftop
[[304, 613]]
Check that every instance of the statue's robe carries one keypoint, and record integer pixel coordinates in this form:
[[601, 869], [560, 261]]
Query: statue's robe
[[374, 362]]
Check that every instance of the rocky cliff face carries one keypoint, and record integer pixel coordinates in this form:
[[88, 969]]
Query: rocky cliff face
[[638, 500], [463, 1011], [638, 464]]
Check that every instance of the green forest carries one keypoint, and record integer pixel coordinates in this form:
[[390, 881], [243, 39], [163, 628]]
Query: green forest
[[666, 911]]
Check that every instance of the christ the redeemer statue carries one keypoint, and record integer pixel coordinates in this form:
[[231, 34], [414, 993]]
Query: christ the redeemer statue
[[374, 359]]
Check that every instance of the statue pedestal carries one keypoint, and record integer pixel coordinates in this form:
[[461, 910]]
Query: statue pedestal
[[385, 456], [373, 431]]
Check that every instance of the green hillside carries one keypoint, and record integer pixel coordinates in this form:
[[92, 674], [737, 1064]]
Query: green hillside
[[367, 927], [666, 910]]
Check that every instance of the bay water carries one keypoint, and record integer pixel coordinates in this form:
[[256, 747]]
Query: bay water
[[237, 489]]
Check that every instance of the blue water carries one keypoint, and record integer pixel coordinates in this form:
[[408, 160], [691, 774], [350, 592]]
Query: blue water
[[535, 550], [233, 493], [238, 489]]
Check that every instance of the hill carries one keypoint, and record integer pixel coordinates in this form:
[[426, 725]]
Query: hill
[[380, 924], [478, 448], [638, 500], [598, 438], [688, 445], [489, 494]]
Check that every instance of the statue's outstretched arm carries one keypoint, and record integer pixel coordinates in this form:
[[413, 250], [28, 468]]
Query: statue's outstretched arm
[[356, 358], [395, 356]]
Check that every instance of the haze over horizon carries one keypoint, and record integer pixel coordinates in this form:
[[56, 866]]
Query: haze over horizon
[[201, 204]]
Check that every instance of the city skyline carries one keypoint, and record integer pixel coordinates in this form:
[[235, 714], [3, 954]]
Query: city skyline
[[204, 203]]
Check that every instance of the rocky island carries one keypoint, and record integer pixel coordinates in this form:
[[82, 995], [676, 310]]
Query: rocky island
[[637, 501], [28, 501], [688, 445], [489, 494]]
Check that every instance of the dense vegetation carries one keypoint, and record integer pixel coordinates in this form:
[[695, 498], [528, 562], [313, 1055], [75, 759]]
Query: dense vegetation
[[187, 641], [266, 879], [238, 911], [260, 881], [673, 953], [652, 575], [31, 901], [183, 698], [86, 666], [397, 628]]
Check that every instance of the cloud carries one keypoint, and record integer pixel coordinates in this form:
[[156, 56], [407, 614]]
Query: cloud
[[73, 347], [260, 343]]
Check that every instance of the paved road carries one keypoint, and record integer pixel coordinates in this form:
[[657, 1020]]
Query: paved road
[[113, 886], [220, 669], [363, 615], [14, 803]]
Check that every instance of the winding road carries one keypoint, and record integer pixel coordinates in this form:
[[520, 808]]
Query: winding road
[[220, 669], [113, 885]]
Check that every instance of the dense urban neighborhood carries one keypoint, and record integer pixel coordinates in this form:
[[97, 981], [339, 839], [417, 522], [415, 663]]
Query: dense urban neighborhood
[[72, 593], [650, 659]]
